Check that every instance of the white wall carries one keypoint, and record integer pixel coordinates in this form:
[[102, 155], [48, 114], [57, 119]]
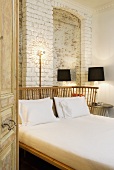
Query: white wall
[[103, 52]]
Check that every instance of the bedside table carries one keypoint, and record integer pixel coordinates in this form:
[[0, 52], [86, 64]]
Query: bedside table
[[101, 109]]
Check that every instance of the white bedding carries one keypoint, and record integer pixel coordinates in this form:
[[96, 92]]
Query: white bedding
[[83, 143]]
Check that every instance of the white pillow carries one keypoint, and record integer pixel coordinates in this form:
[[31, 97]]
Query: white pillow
[[58, 101], [28, 101], [72, 107], [22, 117], [38, 112]]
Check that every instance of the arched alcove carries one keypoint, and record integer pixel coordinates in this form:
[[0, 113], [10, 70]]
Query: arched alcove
[[67, 44]]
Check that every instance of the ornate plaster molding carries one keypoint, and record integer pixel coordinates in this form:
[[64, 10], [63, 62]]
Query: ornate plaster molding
[[105, 7]]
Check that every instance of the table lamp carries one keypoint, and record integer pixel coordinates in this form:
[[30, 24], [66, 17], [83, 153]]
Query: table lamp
[[63, 75], [96, 74]]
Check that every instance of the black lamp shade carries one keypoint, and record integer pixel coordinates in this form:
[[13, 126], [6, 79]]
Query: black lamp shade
[[96, 74], [63, 75]]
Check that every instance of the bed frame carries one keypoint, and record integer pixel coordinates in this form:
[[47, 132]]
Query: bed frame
[[28, 93]]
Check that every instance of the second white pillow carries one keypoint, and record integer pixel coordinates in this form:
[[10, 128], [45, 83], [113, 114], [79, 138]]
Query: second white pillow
[[75, 107], [71, 107]]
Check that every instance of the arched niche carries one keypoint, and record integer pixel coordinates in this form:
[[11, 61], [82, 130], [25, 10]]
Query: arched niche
[[67, 44]]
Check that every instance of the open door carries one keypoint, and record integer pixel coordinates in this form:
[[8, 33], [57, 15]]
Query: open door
[[8, 84]]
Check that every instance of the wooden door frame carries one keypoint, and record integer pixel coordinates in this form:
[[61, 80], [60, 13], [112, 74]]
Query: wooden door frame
[[17, 83]]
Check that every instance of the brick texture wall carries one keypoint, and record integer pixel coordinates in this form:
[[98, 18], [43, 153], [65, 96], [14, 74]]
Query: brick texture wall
[[38, 34]]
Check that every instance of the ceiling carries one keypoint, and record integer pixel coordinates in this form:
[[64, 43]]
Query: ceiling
[[94, 3]]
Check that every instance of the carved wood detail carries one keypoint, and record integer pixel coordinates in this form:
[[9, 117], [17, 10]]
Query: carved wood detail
[[6, 160], [7, 101], [6, 115]]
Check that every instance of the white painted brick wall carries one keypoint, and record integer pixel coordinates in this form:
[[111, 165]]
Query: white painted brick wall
[[37, 33]]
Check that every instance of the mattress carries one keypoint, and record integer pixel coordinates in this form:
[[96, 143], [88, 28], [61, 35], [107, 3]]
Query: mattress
[[83, 143]]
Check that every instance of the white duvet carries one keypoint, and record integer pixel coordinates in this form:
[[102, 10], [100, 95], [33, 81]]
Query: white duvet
[[83, 143]]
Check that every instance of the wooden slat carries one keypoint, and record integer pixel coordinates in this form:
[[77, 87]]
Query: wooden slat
[[28, 93]]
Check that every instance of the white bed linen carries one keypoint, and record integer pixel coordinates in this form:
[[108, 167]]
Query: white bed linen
[[84, 143]]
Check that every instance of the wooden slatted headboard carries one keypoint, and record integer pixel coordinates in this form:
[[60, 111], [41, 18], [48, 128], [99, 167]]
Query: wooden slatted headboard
[[28, 93]]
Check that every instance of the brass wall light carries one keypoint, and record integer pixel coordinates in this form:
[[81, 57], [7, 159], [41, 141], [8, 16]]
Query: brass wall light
[[40, 53]]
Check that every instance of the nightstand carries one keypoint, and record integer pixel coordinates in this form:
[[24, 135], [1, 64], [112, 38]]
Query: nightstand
[[101, 109]]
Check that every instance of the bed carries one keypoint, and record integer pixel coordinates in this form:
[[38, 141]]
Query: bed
[[78, 142]]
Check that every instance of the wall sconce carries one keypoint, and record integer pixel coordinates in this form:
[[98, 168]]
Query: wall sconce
[[40, 53], [96, 74], [63, 75]]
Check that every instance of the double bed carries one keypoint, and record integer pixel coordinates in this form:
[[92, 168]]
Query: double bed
[[78, 142]]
